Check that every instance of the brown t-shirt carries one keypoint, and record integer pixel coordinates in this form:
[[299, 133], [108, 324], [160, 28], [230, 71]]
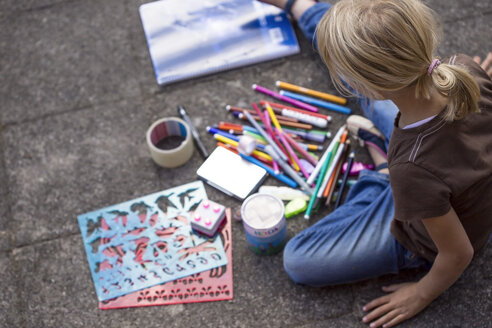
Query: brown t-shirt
[[439, 165]]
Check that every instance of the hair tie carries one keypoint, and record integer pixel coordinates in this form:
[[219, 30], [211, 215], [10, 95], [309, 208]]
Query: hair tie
[[436, 62]]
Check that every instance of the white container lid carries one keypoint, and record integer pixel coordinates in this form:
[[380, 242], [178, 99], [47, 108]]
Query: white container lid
[[262, 211]]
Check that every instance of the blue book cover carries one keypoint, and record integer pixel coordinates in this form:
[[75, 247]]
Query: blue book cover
[[147, 241], [191, 38]]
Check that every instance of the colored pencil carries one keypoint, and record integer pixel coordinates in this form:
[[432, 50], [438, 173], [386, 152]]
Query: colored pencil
[[250, 118], [338, 169], [336, 153], [278, 96], [282, 106], [301, 117], [257, 137], [309, 135], [345, 178], [240, 110], [234, 150], [333, 169], [303, 152], [292, 135], [273, 117], [226, 126], [310, 92], [292, 153], [287, 169], [312, 200], [282, 122], [229, 141], [318, 167], [320, 103], [278, 176], [266, 119], [213, 130]]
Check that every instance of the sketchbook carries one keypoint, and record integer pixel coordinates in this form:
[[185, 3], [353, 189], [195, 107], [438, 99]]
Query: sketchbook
[[191, 38], [147, 241]]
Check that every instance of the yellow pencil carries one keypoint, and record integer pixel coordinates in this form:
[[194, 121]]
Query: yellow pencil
[[310, 92], [226, 140], [273, 117]]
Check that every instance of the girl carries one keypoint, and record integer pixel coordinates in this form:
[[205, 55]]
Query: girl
[[437, 212]]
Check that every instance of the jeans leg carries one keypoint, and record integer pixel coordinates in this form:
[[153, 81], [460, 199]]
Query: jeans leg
[[352, 243]]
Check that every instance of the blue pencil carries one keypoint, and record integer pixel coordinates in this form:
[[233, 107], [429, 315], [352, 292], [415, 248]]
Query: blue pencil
[[213, 130], [278, 176], [317, 102]]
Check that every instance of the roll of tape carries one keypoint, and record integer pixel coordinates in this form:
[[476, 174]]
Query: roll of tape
[[168, 127]]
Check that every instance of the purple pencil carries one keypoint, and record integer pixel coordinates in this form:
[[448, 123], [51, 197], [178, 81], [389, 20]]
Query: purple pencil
[[278, 96]]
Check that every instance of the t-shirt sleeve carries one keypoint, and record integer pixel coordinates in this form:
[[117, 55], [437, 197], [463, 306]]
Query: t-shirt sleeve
[[417, 193]]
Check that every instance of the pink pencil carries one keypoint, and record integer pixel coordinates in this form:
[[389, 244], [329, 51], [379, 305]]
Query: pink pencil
[[293, 154], [267, 124], [278, 96], [301, 150]]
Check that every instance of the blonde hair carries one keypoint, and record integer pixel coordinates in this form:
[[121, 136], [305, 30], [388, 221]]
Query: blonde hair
[[387, 45]]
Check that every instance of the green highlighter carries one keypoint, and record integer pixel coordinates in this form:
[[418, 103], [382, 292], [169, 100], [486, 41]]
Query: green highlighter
[[295, 207]]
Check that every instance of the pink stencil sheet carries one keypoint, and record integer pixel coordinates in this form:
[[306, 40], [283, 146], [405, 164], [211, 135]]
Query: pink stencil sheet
[[206, 286]]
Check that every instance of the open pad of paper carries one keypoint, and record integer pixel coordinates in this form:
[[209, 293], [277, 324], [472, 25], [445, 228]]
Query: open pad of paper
[[190, 38]]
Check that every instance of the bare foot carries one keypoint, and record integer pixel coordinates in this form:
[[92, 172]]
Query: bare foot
[[377, 158], [486, 64]]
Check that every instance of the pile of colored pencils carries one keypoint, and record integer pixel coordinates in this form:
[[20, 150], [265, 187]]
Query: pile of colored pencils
[[286, 137]]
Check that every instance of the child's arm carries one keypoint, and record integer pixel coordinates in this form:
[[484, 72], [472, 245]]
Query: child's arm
[[454, 254]]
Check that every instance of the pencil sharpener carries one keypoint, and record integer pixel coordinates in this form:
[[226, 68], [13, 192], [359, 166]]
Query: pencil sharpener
[[208, 217]]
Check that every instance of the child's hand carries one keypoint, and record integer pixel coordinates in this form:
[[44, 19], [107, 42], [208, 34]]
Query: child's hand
[[404, 302], [486, 64]]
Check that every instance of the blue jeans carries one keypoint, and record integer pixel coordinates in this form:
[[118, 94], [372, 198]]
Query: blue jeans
[[353, 242]]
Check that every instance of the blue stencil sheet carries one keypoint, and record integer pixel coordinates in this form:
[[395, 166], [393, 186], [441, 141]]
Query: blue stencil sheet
[[147, 241]]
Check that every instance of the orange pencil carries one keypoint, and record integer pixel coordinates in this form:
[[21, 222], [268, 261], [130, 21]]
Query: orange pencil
[[310, 92], [337, 173], [334, 177]]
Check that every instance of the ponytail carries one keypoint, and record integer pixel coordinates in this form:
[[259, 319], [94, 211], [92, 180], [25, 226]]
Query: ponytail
[[386, 45], [456, 84]]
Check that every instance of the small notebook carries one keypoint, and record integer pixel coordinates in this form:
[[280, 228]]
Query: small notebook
[[191, 38], [229, 173]]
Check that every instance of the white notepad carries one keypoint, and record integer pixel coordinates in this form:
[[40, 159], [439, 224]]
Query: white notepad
[[231, 174]]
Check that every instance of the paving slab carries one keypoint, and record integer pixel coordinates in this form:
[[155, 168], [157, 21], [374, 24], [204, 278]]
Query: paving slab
[[10, 313], [65, 165], [5, 219], [9, 6], [63, 57], [470, 36], [450, 11]]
